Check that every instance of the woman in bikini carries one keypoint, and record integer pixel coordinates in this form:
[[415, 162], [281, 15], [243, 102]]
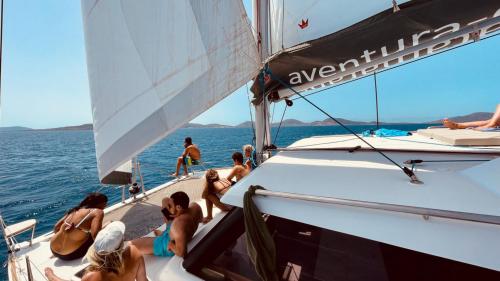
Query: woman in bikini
[[76, 231], [215, 187]]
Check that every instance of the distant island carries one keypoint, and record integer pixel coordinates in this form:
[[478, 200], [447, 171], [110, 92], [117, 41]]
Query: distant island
[[286, 123]]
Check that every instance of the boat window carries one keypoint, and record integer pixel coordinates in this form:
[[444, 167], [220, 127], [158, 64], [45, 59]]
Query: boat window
[[309, 253]]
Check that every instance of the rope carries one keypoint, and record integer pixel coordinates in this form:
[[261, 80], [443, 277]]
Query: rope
[[279, 127], [251, 116], [396, 66], [259, 242], [407, 171], [376, 97]]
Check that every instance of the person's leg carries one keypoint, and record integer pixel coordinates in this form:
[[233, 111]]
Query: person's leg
[[144, 244], [184, 166], [494, 121], [490, 123], [49, 273], [210, 206], [178, 167], [455, 125]]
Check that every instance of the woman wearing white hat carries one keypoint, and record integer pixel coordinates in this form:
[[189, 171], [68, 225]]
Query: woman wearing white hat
[[109, 259]]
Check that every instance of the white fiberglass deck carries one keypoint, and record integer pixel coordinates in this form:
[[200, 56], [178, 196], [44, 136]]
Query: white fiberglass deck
[[309, 168]]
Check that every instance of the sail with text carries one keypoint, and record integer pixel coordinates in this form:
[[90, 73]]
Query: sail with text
[[330, 42]]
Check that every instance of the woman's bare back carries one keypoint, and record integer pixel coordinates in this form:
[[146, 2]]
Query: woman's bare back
[[73, 230]]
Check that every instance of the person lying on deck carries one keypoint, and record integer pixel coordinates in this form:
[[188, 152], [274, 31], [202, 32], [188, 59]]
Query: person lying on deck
[[75, 232], [493, 122], [182, 221], [190, 150], [215, 187], [249, 152], [110, 259], [239, 170]]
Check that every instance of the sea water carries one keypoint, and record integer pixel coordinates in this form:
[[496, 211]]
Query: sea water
[[44, 173]]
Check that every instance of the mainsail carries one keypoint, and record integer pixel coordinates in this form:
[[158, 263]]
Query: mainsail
[[153, 67], [326, 42]]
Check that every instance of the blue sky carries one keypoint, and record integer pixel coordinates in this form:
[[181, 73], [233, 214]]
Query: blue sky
[[45, 78]]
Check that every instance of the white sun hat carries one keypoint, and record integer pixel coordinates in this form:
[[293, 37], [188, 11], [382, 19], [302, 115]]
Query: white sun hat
[[110, 238]]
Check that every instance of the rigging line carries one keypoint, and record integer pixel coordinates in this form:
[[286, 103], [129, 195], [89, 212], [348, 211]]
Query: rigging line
[[1, 48], [283, 27], [251, 116], [272, 114], [407, 171], [399, 65], [279, 127], [264, 106], [417, 161], [376, 97]]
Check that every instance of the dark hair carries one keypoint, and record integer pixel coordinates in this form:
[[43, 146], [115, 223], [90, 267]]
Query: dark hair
[[237, 156], [93, 200], [188, 140], [180, 198]]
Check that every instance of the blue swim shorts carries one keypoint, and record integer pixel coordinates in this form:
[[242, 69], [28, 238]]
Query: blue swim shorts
[[160, 244]]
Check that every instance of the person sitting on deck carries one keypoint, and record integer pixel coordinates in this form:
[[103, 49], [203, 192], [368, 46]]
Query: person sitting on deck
[[182, 221], [215, 187], [239, 170], [250, 162], [190, 150], [76, 231], [493, 122], [110, 259]]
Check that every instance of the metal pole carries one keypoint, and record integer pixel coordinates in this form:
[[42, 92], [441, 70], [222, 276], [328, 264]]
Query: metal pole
[[262, 123], [425, 212], [376, 97]]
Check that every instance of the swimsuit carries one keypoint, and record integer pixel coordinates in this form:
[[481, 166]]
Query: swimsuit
[[160, 244], [190, 161], [82, 250]]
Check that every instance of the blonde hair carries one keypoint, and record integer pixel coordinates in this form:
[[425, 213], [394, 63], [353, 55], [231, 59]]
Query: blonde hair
[[109, 262], [248, 147]]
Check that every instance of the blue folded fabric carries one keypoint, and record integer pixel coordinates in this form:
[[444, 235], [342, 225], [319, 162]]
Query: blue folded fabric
[[386, 133]]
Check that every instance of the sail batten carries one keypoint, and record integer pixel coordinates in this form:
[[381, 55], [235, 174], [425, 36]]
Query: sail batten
[[152, 68]]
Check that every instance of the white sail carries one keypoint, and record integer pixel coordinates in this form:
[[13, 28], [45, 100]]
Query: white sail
[[153, 67], [321, 17]]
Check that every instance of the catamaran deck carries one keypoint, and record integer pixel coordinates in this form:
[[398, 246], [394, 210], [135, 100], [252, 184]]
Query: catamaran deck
[[143, 215], [140, 216]]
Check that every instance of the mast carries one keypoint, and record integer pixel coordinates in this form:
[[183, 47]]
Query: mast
[[260, 23], [1, 48]]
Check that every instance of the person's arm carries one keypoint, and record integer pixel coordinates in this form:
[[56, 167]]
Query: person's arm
[[96, 224], [232, 174], [141, 271], [186, 152], [248, 165], [178, 241], [57, 226], [218, 203]]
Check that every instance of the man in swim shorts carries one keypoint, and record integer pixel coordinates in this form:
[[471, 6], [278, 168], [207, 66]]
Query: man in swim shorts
[[182, 221], [190, 150]]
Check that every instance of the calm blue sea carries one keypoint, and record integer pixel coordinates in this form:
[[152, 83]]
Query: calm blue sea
[[44, 173]]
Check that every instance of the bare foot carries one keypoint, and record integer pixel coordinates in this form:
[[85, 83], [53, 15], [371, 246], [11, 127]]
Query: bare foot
[[157, 232], [206, 220], [174, 175], [50, 274], [450, 124]]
